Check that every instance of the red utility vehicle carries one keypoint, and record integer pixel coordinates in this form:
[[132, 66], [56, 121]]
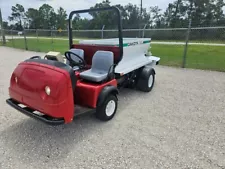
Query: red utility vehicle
[[55, 92]]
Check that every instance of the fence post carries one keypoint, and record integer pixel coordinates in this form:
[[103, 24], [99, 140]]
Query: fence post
[[12, 38], [186, 44], [37, 41], [25, 39], [52, 39], [103, 27], [143, 33], [2, 29]]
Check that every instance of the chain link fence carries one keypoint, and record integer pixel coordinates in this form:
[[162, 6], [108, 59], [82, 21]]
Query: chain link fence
[[202, 47]]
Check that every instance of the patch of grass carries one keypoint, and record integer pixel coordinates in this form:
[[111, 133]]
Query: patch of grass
[[41, 45], [206, 57], [198, 57], [171, 55]]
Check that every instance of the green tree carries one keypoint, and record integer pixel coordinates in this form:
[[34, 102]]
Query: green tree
[[156, 16], [102, 17], [5, 25], [18, 15], [132, 17], [176, 14], [33, 18], [218, 12], [48, 17], [203, 13], [206, 12], [61, 19], [81, 23]]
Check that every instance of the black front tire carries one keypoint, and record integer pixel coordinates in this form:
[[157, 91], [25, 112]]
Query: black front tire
[[101, 111]]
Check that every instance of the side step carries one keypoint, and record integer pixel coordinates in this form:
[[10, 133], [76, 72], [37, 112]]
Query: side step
[[80, 110]]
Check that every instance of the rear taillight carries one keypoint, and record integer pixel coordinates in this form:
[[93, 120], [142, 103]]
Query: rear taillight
[[16, 79], [47, 90]]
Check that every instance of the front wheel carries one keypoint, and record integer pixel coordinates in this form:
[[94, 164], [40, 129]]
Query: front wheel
[[107, 110]]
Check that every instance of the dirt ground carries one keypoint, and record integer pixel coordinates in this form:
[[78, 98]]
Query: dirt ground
[[180, 124]]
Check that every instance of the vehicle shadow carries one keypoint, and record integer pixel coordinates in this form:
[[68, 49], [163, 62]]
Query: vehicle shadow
[[32, 140]]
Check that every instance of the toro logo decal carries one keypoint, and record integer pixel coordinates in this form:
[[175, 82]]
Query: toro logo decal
[[132, 44]]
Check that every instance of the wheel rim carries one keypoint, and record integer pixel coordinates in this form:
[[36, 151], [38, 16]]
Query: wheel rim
[[110, 108], [150, 81]]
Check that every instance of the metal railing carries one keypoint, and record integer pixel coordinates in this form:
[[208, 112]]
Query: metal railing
[[185, 46]]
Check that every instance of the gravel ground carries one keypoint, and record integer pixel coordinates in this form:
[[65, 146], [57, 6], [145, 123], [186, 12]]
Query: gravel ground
[[180, 124]]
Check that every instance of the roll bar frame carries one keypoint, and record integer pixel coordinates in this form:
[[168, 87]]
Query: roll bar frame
[[119, 20]]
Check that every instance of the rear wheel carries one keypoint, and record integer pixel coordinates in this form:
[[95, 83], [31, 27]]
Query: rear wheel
[[107, 109], [146, 80]]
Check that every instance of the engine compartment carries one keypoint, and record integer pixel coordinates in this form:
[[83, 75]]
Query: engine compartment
[[29, 82]]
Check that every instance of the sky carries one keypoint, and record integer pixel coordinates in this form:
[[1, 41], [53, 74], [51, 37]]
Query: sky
[[70, 5]]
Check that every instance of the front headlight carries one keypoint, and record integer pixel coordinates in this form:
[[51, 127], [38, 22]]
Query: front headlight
[[47, 90]]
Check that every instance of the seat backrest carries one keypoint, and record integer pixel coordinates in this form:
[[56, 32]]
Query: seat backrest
[[102, 61], [89, 51], [79, 52]]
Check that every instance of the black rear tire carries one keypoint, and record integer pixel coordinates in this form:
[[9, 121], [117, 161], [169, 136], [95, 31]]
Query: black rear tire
[[146, 79], [107, 109]]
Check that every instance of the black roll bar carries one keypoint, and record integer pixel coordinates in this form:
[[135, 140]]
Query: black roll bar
[[95, 10]]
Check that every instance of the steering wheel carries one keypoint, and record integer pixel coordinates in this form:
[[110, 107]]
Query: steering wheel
[[36, 57], [81, 63]]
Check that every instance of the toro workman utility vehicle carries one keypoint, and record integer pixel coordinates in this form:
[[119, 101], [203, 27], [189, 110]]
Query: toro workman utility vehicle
[[56, 89]]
